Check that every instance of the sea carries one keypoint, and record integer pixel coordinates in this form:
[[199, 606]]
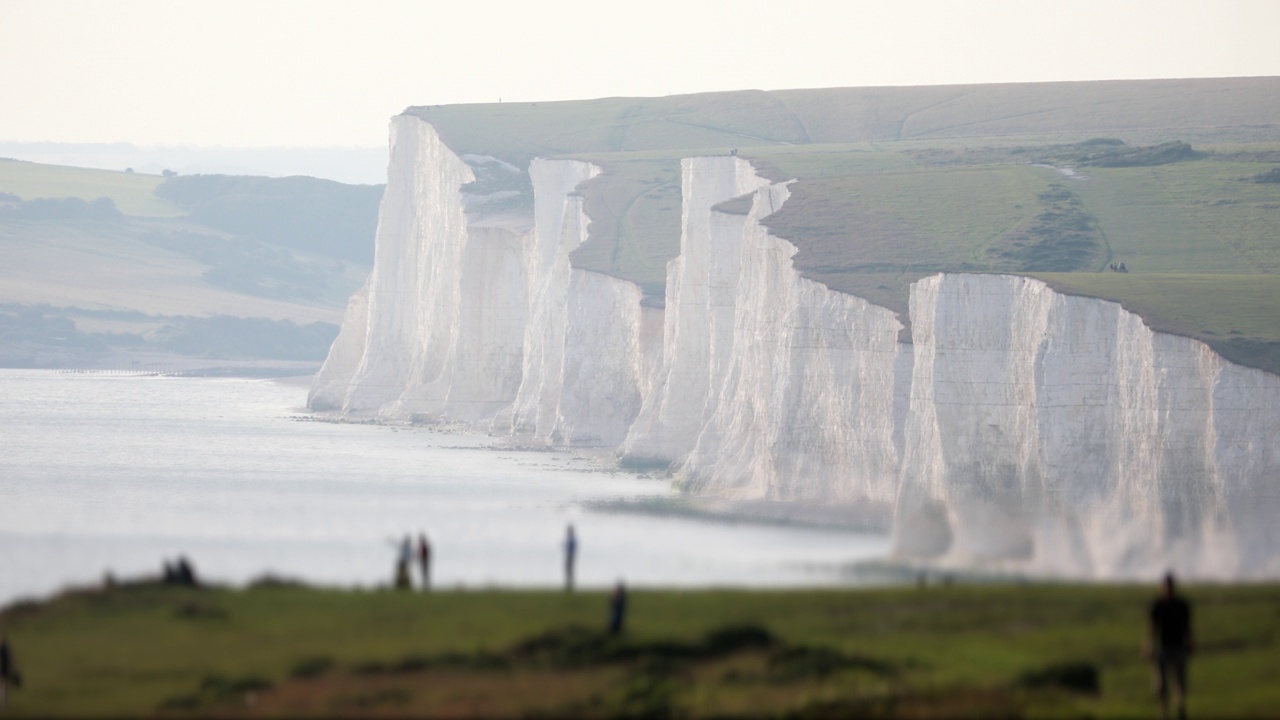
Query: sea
[[112, 475]]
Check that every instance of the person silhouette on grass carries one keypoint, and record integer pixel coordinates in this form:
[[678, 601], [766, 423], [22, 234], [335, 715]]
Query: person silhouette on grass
[[1169, 644], [617, 609], [8, 671]]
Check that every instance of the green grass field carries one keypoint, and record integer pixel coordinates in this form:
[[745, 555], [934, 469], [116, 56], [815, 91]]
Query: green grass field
[[936, 651], [133, 193]]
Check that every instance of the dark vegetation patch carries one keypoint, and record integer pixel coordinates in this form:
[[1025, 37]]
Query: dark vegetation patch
[[794, 663], [312, 667], [1063, 237], [1269, 176], [247, 265], [215, 689], [200, 610], [1078, 676], [302, 213], [1095, 152], [1109, 152], [102, 209], [656, 673]]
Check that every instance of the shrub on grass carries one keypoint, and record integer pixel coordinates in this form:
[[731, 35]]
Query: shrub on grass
[[1079, 677], [311, 667]]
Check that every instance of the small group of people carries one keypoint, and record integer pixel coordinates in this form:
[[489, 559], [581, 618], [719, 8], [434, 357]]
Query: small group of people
[[180, 572], [406, 552], [1118, 267]]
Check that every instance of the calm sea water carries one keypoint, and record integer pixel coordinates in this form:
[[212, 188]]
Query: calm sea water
[[107, 473]]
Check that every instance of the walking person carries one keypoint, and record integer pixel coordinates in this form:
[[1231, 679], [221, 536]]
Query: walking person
[[570, 557], [617, 609], [1170, 644], [424, 560]]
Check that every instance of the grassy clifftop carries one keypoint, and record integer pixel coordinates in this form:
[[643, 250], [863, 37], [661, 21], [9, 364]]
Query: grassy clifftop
[[1165, 176], [971, 651]]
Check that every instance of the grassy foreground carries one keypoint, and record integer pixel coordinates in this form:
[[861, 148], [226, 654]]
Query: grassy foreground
[[1031, 650]]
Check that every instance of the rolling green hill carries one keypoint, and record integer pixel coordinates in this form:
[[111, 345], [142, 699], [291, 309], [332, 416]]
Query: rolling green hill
[[1055, 179]]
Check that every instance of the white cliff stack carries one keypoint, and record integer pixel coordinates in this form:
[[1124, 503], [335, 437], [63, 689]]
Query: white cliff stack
[[481, 319], [772, 386], [583, 347], [444, 317], [1061, 435]]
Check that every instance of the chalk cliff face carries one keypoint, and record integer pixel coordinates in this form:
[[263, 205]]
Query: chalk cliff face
[[1022, 429], [482, 319], [772, 386], [1062, 434]]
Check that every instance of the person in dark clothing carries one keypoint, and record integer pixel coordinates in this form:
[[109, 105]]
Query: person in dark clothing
[[424, 560], [8, 672], [1170, 644], [617, 608], [570, 556], [186, 572]]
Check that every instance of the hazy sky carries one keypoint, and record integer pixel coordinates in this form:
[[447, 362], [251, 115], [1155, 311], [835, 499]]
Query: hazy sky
[[324, 73]]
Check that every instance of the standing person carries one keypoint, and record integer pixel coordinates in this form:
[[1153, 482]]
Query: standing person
[[617, 608], [1170, 644], [570, 556], [404, 556], [424, 560], [8, 672]]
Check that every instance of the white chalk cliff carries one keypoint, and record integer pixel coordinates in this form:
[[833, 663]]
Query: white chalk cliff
[[1022, 429]]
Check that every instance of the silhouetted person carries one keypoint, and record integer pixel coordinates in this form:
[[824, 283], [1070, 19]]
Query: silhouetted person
[[8, 672], [617, 608], [1170, 644], [404, 556], [186, 574], [570, 557], [424, 560]]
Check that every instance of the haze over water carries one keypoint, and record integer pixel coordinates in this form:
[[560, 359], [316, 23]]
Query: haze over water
[[119, 473]]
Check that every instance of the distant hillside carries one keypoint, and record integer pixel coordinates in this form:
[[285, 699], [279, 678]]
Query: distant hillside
[[892, 184], [102, 262], [317, 216]]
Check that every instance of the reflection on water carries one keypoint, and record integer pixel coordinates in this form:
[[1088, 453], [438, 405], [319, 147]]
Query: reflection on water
[[118, 473]]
